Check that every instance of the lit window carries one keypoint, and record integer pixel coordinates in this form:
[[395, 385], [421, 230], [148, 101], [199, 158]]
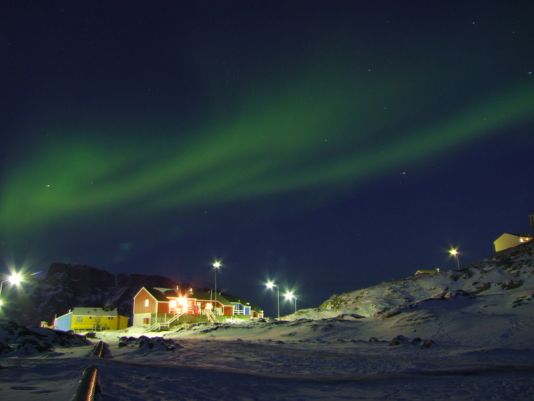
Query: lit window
[[147, 303]]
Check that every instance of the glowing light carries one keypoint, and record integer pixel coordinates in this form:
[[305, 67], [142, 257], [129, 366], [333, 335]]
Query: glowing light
[[217, 264], [455, 253], [183, 302], [15, 278], [289, 295], [270, 284], [209, 306], [172, 304]]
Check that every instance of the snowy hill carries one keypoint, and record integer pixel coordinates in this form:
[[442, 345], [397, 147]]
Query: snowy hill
[[507, 277], [65, 286], [489, 303]]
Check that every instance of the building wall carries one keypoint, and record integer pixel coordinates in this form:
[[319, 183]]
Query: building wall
[[123, 322], [91, 322], [163, 307], [138, 319], [63, 322], [506, 241], [139, 302]]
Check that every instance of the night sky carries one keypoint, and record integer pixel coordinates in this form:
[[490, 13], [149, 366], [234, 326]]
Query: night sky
[[328, 145]]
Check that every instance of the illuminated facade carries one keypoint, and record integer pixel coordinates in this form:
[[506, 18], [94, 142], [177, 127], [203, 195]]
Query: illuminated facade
[[163, 306], [90, 319], [507, 241]]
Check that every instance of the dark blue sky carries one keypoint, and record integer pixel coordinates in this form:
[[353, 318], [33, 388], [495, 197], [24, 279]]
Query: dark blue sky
[[329, 145]]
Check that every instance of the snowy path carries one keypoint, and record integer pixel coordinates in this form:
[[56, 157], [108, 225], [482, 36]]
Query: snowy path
[[243, 370], [138, 382], [238, 370]]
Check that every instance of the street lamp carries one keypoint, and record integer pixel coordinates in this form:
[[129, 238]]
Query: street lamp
[[290, 296], [454, 253], [217, 264], [270, 285], [14, 279]]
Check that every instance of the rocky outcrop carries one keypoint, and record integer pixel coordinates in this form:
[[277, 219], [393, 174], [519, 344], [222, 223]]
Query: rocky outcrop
[[65, 286]]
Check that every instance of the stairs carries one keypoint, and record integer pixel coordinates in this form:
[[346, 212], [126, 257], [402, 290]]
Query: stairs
[[211, 316], [158, 326]]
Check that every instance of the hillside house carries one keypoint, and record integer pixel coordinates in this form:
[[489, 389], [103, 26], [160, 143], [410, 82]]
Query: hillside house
[[90, 319], [508, 240], [420, 272], [163, 306]]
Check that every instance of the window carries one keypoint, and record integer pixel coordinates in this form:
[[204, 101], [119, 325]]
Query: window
[[147, 303]]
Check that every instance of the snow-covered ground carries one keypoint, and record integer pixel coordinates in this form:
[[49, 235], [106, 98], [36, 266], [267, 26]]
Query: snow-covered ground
[[451, 336], [325, 359]]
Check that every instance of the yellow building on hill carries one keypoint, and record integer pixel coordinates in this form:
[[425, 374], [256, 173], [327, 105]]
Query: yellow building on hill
[[507, 240], [91, 319]]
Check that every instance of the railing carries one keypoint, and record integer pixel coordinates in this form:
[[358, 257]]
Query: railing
[[88, 384], [210, 315], [165, 323]]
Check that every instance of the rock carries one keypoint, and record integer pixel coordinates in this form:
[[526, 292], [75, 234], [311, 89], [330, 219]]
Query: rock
[[27, 341], [416, 341], [144, 343], [400, 339], [427, 344]]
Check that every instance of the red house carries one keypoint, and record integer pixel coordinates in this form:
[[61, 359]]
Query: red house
[[162, 306]]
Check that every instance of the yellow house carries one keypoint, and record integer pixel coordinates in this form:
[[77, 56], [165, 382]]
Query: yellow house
[[507, 240], [427, 271], [88, 319]]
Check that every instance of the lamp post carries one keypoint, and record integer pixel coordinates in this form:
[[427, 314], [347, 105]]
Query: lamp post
[[270, 285], [217, 264], [15, 278], [454, 253], [290, 296]]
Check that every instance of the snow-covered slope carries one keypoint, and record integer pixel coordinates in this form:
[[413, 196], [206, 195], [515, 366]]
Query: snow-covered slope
[[506, 280]]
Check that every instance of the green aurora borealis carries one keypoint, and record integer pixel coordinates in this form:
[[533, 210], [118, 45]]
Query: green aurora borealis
[[287, 140], [303, 136]]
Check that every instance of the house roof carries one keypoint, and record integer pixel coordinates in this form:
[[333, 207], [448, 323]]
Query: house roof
[[163, 295], [235, 299], [204, 295], [207, 296], [160, 294], [87, 311]]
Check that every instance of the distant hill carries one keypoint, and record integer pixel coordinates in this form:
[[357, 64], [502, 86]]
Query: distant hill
[[508, 274], [65, 286], [490, 302]]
